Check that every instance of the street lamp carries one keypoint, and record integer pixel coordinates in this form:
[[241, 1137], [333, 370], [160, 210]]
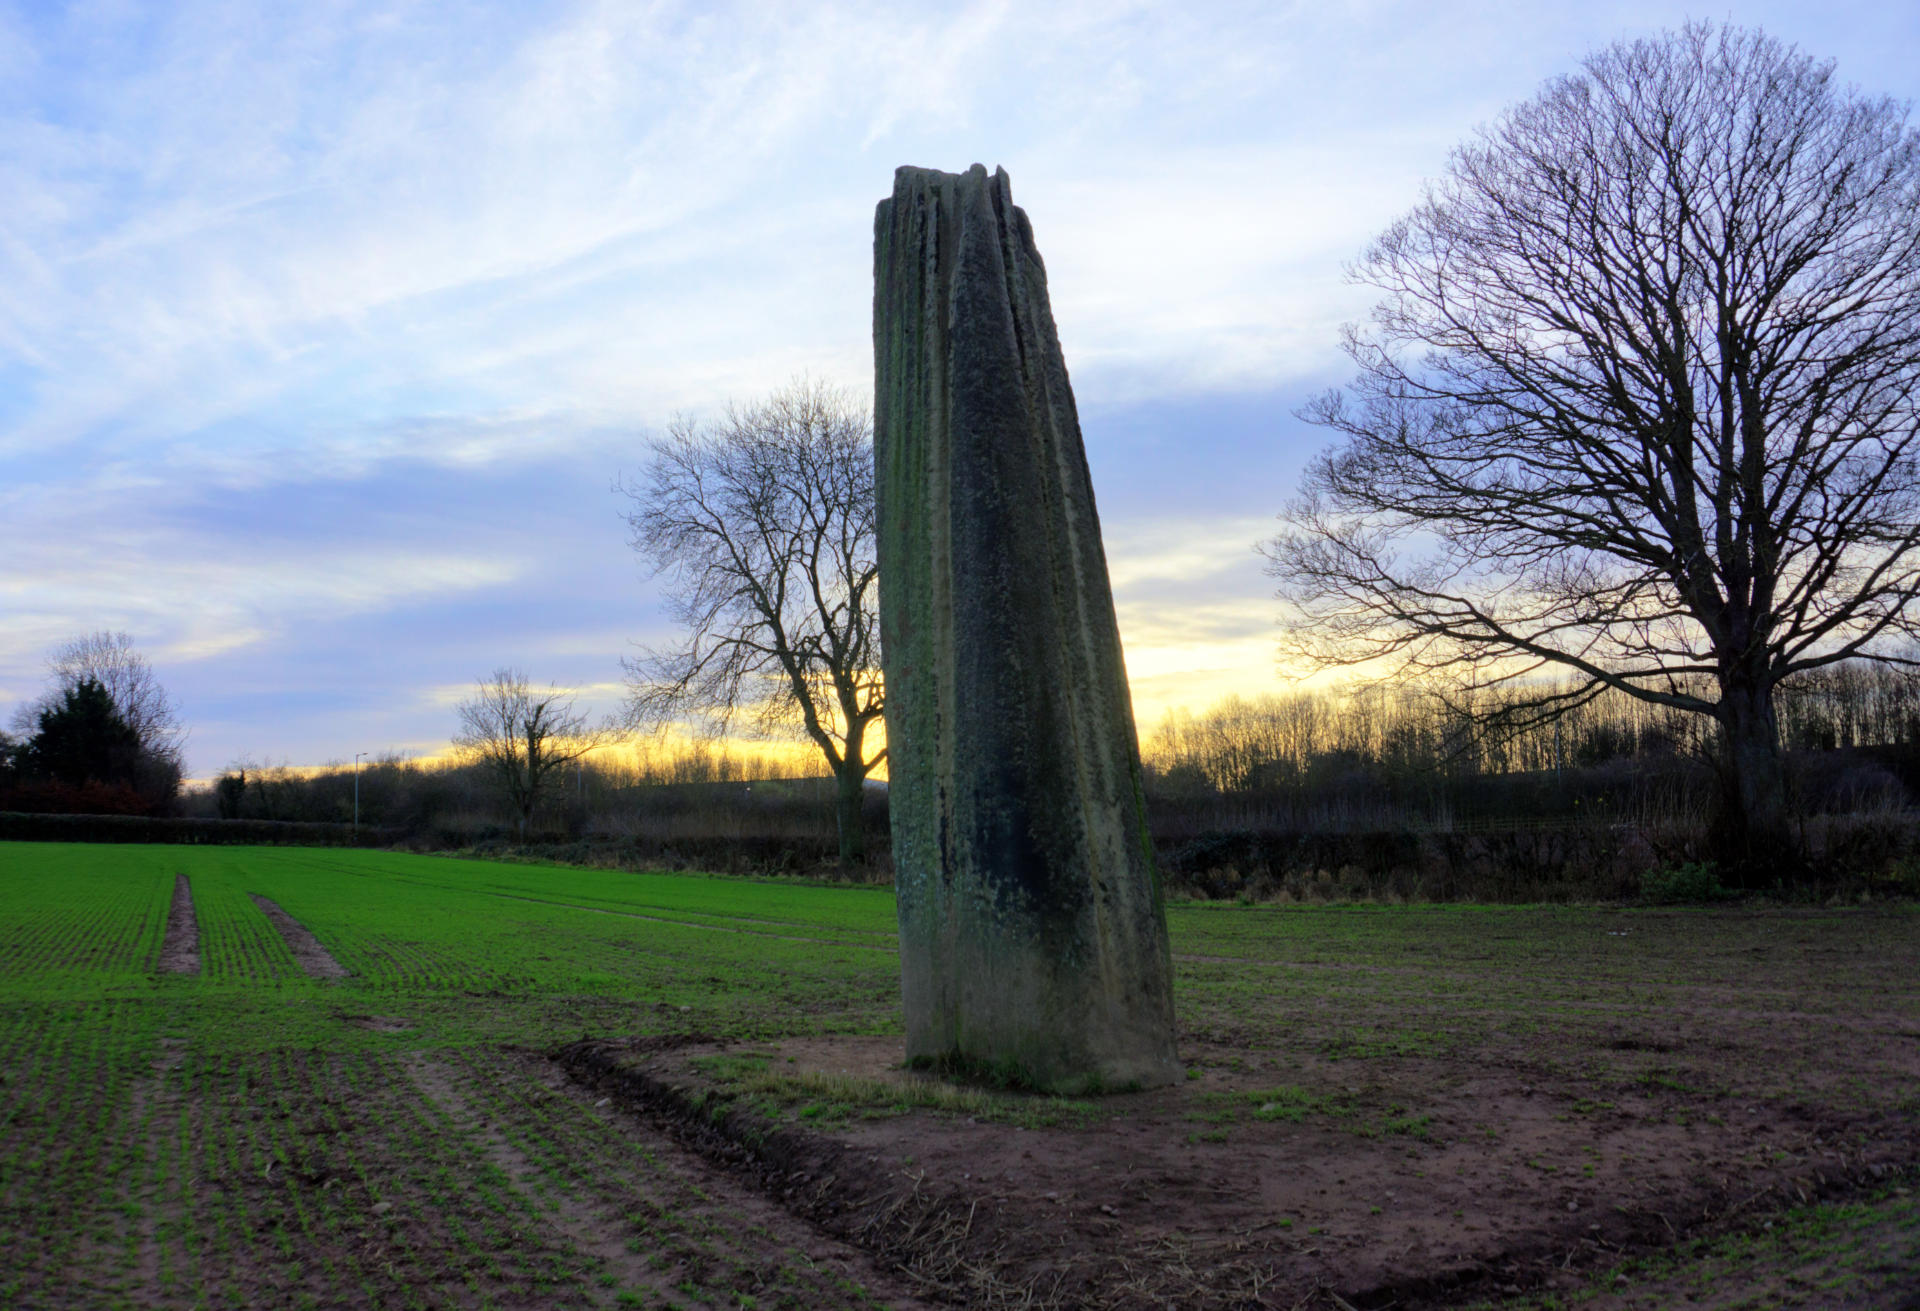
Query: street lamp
[[356, 793]]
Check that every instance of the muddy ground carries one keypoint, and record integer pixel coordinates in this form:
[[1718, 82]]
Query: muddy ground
[[1260, 1182], [1547, 1138]]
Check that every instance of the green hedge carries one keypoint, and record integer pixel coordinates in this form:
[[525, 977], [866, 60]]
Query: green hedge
[[18, 827]]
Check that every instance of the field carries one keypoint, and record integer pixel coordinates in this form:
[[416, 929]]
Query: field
[[374, 1080]]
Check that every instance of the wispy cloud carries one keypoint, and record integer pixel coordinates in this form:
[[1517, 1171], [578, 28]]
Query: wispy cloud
[[606, 202], [194, 609], [1186, 549], [307, 305]]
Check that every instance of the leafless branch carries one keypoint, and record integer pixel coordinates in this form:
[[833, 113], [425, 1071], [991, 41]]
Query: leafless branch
[[762, 527], [1639, 399]]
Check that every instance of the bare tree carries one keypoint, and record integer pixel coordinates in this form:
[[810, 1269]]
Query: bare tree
[[522, 737], [1638, 403], [762, 525]]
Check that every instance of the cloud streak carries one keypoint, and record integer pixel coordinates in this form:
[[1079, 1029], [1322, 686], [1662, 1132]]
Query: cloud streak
[[306, 306]]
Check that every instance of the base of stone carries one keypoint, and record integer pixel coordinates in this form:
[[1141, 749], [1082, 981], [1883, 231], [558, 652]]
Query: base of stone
[[1112, 1076]]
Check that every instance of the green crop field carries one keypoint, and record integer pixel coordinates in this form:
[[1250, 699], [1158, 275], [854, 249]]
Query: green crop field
[[222, 1140], [1528, 1080]]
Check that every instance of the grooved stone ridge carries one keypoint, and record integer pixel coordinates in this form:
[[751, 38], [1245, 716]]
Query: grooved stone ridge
[[1032, 932]]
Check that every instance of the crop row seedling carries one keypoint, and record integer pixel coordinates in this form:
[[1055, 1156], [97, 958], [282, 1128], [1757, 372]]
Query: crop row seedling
[[181, 1141]]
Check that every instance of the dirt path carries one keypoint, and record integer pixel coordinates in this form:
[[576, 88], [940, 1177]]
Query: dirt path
[[316, 960], [655, 1217], [180, 949]]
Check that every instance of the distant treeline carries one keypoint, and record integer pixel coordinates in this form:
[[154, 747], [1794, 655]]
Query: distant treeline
[[454, 802], [1374, 758], [1389, 757], [1345, 792]]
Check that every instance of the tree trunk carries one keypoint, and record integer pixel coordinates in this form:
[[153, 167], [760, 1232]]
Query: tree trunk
[[849, 810], [1751, 837]]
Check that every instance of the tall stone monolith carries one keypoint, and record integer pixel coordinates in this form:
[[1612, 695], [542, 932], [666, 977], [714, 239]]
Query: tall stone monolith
[[1032, 932]]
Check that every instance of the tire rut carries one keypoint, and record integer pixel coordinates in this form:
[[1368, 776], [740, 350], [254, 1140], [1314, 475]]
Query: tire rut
[[657, 1216], [315, 959], [587, 1228], [923, 1240], [180, 948], [154, 1116]]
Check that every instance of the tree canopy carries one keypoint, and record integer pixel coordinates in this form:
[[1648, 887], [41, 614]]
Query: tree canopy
[[762, 526], [1638, 403], [83, 738]]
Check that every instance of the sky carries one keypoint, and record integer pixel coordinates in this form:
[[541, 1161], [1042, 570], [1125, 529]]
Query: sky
[[326, 329]]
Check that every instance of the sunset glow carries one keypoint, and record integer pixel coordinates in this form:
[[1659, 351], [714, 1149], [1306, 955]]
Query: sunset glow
[[329, 327]]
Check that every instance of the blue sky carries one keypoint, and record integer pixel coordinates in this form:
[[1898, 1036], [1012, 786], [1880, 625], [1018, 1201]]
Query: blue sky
[[326, 328]]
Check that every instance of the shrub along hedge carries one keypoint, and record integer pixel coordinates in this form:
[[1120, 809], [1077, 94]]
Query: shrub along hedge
[[18, 827]]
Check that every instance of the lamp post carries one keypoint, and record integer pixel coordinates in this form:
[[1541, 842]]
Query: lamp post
[[356, 794]]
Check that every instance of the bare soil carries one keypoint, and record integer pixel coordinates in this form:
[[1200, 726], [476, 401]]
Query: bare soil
[[380, 1023], [315, 959], [180, 948], [1270, 1181]]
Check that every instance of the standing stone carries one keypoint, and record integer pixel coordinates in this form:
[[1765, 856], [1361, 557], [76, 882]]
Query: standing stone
[[1033, 936]]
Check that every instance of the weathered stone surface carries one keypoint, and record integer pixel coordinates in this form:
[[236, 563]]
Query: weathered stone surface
[[1032, 931]]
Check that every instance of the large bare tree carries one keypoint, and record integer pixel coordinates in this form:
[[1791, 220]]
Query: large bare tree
[[1638, 403], [762, 526], [523, 736]]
